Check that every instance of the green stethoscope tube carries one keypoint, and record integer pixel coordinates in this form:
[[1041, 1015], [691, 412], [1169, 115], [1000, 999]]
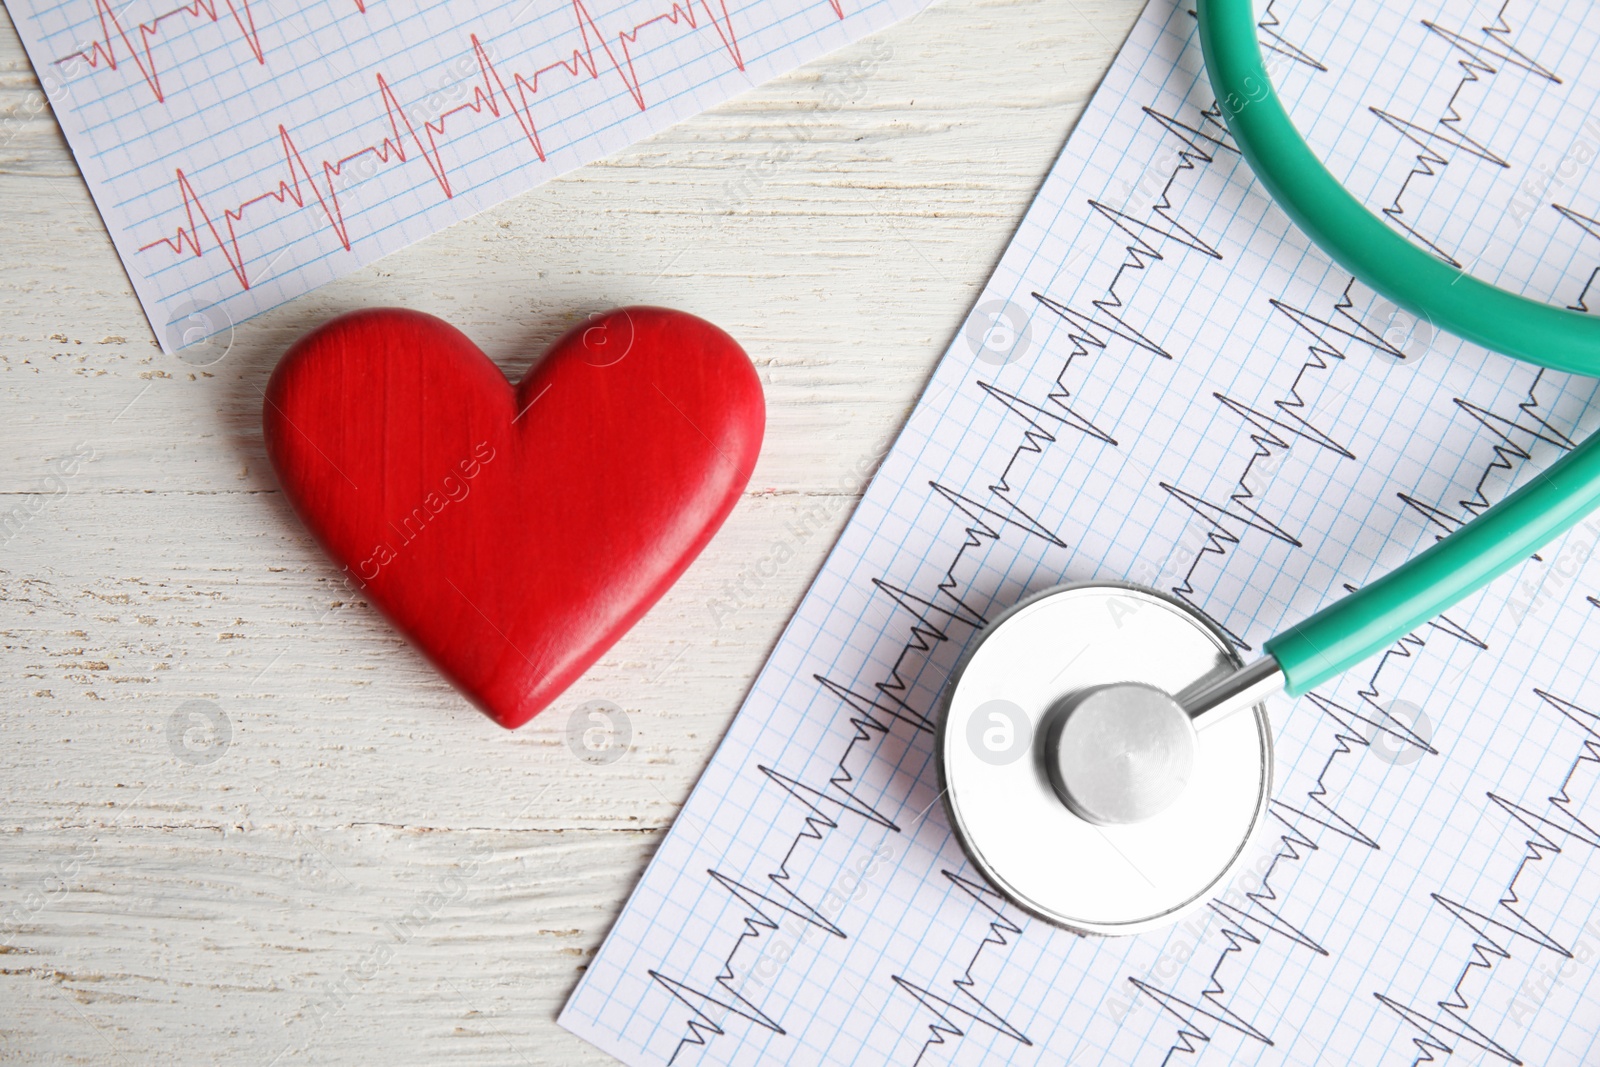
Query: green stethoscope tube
[[1367, 621]]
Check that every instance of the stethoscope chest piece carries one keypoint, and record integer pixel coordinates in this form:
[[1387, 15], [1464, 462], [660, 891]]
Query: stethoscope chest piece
[[1149, 832]]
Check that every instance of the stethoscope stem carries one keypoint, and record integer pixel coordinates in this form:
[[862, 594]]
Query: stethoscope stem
[[1209, 701]]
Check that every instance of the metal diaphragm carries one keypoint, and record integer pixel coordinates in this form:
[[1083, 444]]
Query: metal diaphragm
[[991, 750]]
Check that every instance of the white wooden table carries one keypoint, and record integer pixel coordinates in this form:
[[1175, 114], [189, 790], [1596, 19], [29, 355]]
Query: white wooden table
[[351, 865]]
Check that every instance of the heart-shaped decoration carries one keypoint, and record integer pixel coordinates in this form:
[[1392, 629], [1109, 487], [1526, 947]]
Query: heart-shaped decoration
[[513, 533]]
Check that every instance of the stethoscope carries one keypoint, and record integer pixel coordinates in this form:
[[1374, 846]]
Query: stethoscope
[[1096, 761]]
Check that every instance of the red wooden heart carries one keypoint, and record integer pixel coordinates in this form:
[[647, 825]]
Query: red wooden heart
[[514, 533]]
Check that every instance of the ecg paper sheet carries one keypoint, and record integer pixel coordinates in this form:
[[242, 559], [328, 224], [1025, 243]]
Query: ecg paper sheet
[[244, 152], [1184, 393]]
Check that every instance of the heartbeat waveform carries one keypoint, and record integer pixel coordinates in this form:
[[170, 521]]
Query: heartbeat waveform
[[1272, 40], [1312, 825], [1485, 55], [964, 1009], [104, 48], [1526, 424], [307, 183], [1506, 927], [1269, 25], [988, 517], [703, 1022], [1273, 430], [765, 912]]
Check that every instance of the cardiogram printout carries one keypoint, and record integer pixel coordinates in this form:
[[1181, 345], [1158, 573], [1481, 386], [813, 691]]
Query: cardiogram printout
[[1164, 382], [243, 152]]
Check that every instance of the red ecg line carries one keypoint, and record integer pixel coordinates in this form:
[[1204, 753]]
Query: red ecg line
[[104, 49], [112, 31], [489, 93]]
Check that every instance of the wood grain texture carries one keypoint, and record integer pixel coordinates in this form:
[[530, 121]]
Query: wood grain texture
[[369, 870]]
